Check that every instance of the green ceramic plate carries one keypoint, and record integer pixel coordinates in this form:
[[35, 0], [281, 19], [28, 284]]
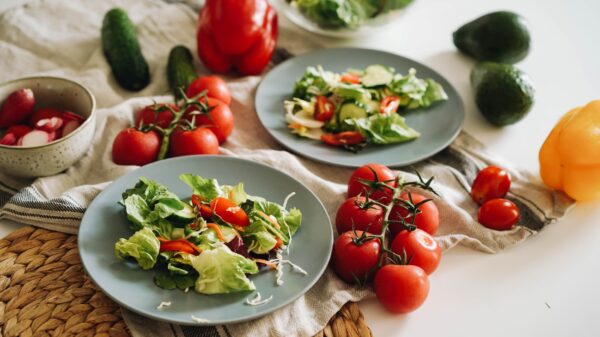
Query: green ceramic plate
[[104, 223], [438, 125]]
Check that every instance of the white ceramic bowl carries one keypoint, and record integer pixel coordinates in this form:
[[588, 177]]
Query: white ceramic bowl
[[56, 156]]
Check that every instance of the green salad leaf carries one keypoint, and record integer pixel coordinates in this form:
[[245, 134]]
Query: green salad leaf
[[208, 189], [223, 271], [415, 92], [384, 129], [289, 221], [314, 82], [235, 193], [143, 246]]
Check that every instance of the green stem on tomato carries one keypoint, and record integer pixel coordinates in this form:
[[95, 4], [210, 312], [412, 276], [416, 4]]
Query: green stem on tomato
[[164, 147]]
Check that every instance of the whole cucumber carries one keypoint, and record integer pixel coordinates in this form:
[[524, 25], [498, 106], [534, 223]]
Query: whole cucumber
[[180, 70], [122, 50]]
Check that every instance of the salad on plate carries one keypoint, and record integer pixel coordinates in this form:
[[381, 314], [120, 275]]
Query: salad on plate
[[210, 243], [358, 107]]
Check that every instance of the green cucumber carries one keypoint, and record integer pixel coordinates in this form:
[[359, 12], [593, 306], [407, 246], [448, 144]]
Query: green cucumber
[[180, 70], [184, 215], [376, 75], [352, 110], [122, 50]]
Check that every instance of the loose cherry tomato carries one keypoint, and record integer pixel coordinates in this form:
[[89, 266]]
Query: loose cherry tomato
[[197, 141], [499, 214], [324, 109], [428, 219], [350, 214], [350, 78], [389, 104], [214, 85], [134, 147], [420, 248], [401, 288], [492, 182], [353, 262], [219, 120], [343, 138], [372, 172], [229, 212], [148, 115]]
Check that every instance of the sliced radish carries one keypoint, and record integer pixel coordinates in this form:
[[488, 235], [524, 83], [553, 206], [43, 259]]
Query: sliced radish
[[35, 138], [54, 135], [8, 139], [71, 116], [69, 127], [18, 130], [49, 124]]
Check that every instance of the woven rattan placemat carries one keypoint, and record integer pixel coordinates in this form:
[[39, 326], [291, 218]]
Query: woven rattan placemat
[[45, 292]]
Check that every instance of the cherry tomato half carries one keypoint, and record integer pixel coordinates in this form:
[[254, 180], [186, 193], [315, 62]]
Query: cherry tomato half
[[324, 109], [353, 262], [499, 214], [343, 138], [389, 104], [372, 172], [352, 215], [491, 182], [229, 212]]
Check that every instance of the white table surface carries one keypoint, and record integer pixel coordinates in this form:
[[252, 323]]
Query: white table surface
[[547, 286]]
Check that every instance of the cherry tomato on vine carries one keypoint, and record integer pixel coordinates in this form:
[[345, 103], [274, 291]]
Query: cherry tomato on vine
[[499, 214], [351, 214], [401, 288], [428, 219], [491, 182], [219, 120], [420, 248], [389, 104], [148, 115], [372, 172], [214, 85], [324, 109], [197, 141], [353, 261], [343, 138], [229, 211], [134, 147]]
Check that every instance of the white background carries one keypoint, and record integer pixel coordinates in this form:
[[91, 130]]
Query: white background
[[549, 285]]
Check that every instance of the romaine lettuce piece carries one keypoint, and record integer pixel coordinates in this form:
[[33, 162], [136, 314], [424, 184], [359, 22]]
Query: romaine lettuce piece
[[143, 246]]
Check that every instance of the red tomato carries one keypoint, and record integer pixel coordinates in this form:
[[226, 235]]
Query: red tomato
[[205, 210], [219, 120], [324, 109], [17, 107], [421, 249], [148, 115], [389, 104], [229, 212], [353, 262], [349, 214], [44, 113], [428, 220], [134, 147], [401, 288], [197, 141], [214, 85], [491, 182], [343, 138], [372, 172], [350, 78], [499, 214]]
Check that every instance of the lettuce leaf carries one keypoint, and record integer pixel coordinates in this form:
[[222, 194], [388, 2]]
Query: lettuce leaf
[[143, 246], [415, 92], [208, 189], [384, 129], [235, 193]]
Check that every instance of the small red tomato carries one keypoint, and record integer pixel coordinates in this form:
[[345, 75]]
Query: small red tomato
[[350, 214], [324, 109], [205, 210], [401, 288], [491, 182], [229, 212], [134, 147], [197, 141], [350, 78], [214, 85], [499, 214], [428, 219], [353, 262], [149, 115], [420, 248], [372, 172], [17, 107], [219, 120], [389, 104], [44, 113], [343, 138]]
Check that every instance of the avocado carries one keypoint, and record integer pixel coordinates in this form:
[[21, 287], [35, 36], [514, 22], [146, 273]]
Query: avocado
[[180, 70], [503, 93], [498, 36]]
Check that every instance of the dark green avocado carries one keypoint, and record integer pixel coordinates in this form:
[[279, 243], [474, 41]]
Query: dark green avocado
[[503, 93], [498, 36]]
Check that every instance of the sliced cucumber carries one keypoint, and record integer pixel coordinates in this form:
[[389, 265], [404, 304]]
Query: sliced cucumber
[[185, 214], [352, 110], [376, 75]]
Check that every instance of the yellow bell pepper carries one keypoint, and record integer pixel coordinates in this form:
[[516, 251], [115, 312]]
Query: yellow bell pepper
[[570, 156]]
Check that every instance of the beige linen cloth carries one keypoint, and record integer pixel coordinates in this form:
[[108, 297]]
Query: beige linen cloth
[[62, 38]]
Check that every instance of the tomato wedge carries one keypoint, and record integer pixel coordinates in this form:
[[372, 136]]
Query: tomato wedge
[[324, 109], [389, 104], [229, 211], [350, 78], [205, 210], [343, 138]]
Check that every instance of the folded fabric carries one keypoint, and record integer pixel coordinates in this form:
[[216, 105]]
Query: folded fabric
[[36, 39]]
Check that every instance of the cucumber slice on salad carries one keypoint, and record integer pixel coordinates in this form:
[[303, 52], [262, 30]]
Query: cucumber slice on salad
[[184, 215], [352, 110], [376, 75]]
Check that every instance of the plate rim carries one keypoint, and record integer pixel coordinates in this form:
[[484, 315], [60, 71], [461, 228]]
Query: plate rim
[[348, 165], [253, 316]]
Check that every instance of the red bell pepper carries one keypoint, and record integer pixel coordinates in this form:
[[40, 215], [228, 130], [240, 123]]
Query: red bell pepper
[[238, 34], [179, 245]]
